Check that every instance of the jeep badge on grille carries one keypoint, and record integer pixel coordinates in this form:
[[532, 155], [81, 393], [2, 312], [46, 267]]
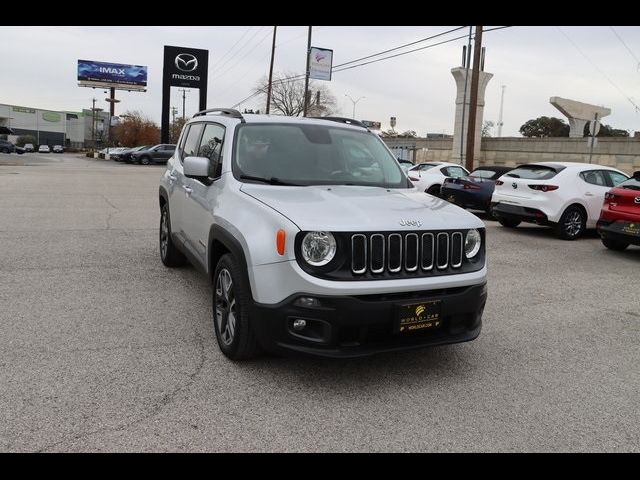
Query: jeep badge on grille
[[410, 223]]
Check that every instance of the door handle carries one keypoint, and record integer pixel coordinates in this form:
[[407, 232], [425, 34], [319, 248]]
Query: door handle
[[172, 177], [589, 194]]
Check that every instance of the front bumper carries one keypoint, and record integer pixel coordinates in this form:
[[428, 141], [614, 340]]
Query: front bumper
[[621, 231], [353, 326]]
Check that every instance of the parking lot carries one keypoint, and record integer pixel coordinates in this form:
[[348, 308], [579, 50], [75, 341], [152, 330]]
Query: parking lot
[[104, 349]]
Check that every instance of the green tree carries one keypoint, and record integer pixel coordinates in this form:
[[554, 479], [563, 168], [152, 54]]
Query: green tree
[[545, 127], [22, 140], [606, 131]]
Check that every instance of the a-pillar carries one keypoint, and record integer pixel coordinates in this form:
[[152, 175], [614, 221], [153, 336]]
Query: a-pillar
[[461, 125]]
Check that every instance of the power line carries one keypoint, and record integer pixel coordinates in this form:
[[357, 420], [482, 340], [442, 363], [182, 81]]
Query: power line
[[221, 74], [627, 47], [219, 67], [241, 37], [599, 70], [398, 48], [302, 76], [401, 53]]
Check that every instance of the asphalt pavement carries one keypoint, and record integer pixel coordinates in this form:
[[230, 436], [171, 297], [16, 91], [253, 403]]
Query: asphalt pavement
[[104, 349]]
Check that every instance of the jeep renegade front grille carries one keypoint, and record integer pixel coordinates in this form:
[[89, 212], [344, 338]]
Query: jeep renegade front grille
[[395, 252]]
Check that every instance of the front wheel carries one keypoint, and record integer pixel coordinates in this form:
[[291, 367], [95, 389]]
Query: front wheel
[[572, 224], [509, 222], [231, 319], [144, 160], [612, 244], [434, 190]]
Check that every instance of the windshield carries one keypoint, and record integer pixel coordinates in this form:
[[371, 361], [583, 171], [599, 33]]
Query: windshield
[[297, 154]]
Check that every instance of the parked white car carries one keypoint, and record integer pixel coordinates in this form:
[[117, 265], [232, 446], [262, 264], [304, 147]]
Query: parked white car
[[44, 149], [429, 176], [565, 195]]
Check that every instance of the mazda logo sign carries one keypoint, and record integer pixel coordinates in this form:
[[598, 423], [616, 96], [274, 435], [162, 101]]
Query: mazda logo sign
[[186, 62], [514, 185], [636, 200]]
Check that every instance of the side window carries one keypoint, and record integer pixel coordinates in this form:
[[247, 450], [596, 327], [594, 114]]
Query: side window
[[183, 139], [211, 147], [616, 178], [594, 177], [454, 172], [191, 143]]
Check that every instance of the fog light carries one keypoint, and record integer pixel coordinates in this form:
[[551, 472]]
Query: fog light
[[308, 302], [299, 324]]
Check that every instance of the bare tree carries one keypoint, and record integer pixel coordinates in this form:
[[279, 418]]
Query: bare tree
[[287, 96]]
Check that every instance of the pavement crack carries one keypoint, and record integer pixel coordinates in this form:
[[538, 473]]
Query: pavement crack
[[155, 409], [112, 213]]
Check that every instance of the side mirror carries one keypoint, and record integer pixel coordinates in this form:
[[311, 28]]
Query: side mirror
[[196, 167]]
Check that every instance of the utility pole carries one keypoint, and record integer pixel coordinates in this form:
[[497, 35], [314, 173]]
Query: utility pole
[[594, 131], [174, 111], [473, 101], [93, 123], [466, 60], [500, 123], [273, 53], [306, 78], [184, 94]]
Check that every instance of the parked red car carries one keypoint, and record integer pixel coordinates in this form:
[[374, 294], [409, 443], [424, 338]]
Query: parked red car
[[619, 223]]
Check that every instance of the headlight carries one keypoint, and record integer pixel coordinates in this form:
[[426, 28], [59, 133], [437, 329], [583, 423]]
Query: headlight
[[318, 248], [472, 243]]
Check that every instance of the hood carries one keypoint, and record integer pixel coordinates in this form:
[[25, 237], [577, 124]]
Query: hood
[[356, 208]]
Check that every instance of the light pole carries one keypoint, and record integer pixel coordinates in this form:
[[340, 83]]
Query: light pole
[[354, 104]]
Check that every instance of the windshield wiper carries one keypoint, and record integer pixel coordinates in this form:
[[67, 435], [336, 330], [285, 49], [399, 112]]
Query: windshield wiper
[[631, 187], [270, 181]]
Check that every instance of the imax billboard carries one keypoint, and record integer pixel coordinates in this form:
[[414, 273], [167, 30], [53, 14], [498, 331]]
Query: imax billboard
[[129, 77]]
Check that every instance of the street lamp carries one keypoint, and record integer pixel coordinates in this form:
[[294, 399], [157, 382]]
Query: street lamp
[[354, 104]]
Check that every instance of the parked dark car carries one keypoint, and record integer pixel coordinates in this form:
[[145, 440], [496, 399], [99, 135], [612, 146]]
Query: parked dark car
[[156, 154], [7, 147], [474, 190], [125, 155]]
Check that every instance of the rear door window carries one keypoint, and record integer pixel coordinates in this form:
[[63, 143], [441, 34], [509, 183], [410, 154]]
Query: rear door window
[[595, 177]]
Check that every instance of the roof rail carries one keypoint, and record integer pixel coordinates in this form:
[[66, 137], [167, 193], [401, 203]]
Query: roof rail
[[348, 121], [225, 111]]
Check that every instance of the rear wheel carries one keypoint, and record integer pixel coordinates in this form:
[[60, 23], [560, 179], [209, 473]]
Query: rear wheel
[[612, 244], [169, 254], [145, 160], [572, 223], [509, 222], [231, 320]]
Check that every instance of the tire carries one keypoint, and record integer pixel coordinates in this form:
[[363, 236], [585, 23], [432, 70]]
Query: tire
[[171, 257], [145, 160], [5, 150], [612, 244], [231, 301], [433, 190], [509, 222], [572, 224]]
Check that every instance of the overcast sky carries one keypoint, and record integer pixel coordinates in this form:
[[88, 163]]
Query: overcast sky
[[589, 64]]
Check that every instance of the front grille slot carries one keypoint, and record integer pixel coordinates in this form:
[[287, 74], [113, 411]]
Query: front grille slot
[[442, 256], [380, 253]]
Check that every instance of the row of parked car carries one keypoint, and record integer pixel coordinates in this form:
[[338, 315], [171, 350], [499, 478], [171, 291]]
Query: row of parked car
[[144, 154], [8, 147], [569, 197]]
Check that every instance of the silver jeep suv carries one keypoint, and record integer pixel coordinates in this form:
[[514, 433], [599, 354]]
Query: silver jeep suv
[[315, 241]]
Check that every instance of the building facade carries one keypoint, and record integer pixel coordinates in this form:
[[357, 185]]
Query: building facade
[[48, 127]]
